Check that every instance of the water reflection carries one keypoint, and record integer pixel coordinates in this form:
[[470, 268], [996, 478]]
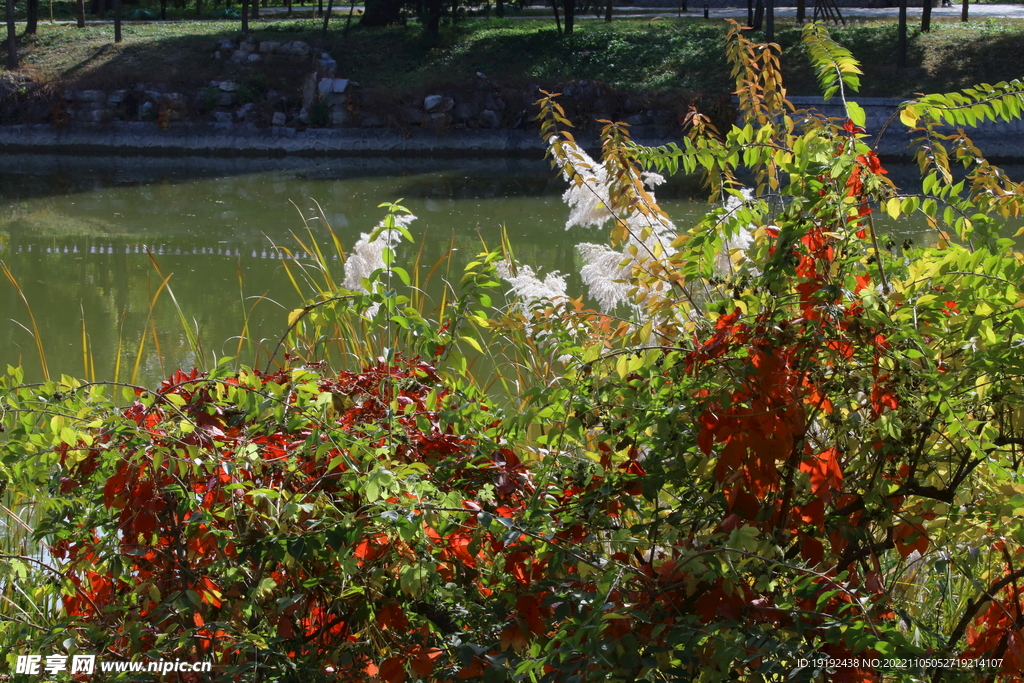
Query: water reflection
[[92, 240]]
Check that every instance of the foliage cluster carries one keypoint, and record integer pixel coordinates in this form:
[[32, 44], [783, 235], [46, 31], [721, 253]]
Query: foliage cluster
[[803, 448]]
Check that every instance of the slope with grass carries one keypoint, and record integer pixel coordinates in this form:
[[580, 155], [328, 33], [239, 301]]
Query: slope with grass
[[640, 67]]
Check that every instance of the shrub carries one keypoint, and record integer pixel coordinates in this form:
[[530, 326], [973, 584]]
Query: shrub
[[790, 447]]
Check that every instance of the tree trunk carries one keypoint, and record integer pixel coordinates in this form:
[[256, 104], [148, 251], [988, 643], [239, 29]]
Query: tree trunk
[[434, 9], [769, 20], [963, 12], [327, 15], [558, 22], [117, 21], [289, 8], [455, 11], [351, 11], [926, 16], [32, 17], [570, 16], [255, 8], [901, 44], [199, 8], [608, 11], [80, 11], [758, 16], [381, 12], [801, 11], [499, 10], [12, 38], [163, 10], [245, 16]]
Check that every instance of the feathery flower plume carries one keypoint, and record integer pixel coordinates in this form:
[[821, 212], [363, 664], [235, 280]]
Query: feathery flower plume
[[368, 254]]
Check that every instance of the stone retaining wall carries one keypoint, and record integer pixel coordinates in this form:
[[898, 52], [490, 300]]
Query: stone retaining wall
[[997, 140]]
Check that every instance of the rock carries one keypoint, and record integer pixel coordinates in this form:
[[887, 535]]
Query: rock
[[296, 48], [218, 55], [372, 121], [440, 120], [638, 120], [332, 85], [253, 58], [340, 116], [309, 90], [90, 106], [494, 102], [224, 99], [278, 119], [152, 96], [247, 45], [335, 99], [268, 47], [244, 111], [239, 56], [326, 67], [69, 95], [465, 111], [303, 115], [489, 119], [662, 117], [117, 97], [228, 86], [173, 100], [438, 104], [227, 45], [223, 117], [90, 115], [91, 96], [147, 111], [414, 116]]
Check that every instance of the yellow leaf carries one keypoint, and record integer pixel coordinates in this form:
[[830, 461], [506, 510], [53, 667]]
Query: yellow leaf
[[909, 117], [294, 316]]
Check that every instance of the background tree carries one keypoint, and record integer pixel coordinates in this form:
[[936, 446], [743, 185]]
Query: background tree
[[31, 17], [80, 13], [570, 15], [381, 12], [12, 38]]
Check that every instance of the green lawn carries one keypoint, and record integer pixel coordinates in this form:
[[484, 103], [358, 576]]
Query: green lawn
[[637, 55]]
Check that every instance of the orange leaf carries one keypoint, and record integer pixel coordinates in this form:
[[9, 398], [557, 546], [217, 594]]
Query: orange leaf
[[514, 637], [422, 664]]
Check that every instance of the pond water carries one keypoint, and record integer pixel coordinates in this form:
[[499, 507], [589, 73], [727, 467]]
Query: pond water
[[74, 233]]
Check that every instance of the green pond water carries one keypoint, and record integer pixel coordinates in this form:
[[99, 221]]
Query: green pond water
[[74, 233]]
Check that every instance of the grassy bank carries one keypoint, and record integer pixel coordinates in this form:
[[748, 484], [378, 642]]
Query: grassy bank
[[631, 55]]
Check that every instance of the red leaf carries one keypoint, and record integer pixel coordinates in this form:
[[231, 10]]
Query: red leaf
[[529, 609], [392, 670], [392, 617], [910, 537]]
